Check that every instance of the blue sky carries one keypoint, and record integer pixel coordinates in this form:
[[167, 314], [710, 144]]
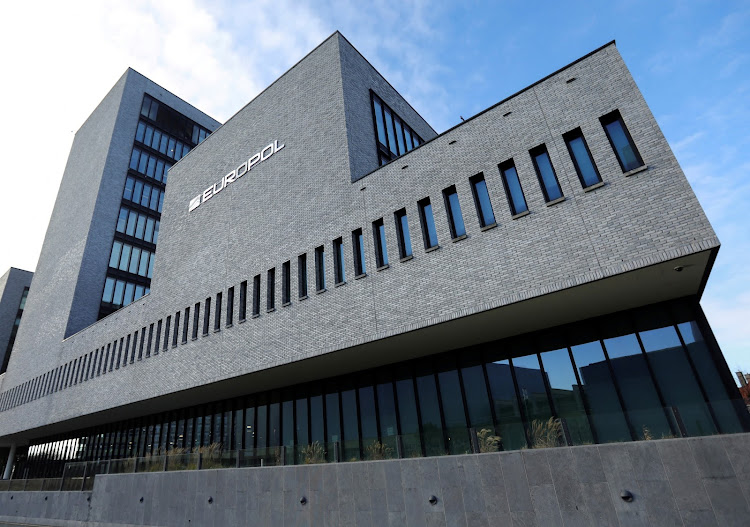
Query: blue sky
[[690, 59]]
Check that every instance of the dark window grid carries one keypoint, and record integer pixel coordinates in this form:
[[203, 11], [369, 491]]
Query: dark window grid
[[165, 115], [541, 150], [242, 315], [286, 283], [207, 316], [196, 320], [256, 296], [338, 261], [482, 202], [386, 151], [167, 327], [156, 151], [271, 290], [147, 160], [403, 236], [453, 212], [571, 136], [380, 243], [185, 326], [610, 119], [217, 315], [513, 188], [230, 307]]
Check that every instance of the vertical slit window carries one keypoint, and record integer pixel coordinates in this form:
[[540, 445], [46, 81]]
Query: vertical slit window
[[243, 301], [207, 316], [286, 282], [256, 295], [217, 316], [230, 306], [271, 289], [358, 247], [482, 200], [176, 328], [196, 320], [166, 333], [381, 250], [545, 172], [302, 275], [429, 234], [185, 325], [582, 160], [453, 209], [402, 232], [513, 190], [621, 141], [320, 268], [338, 261]]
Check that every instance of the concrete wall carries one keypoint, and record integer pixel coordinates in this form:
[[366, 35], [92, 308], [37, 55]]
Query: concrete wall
[[680, 482]]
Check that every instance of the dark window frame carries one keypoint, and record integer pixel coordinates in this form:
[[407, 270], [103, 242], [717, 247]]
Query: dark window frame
[[503, 168], [570, 136], [404, 250], [612, 117], [380, 243], [339, 272], [452, 214], [358, 250], [422, 205], [473, 182], [536, 152], [320, 269]]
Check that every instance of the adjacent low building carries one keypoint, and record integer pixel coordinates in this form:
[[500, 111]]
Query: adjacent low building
[[336, 281]]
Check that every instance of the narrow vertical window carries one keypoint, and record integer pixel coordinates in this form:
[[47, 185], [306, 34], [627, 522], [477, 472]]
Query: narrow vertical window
[[513, 190], [207, 316], [185, 325], [621, 141], [148, 347], [230, 306], [320, 268], [302, 275], [358, 247], [402, 233], [482, 200], [582, 160], [243, 302], [176, 329], [545, 172], [338, 261], [453, 209], [286, 283], [157, 340], [196, 319], [429, 234], [271, 289], [217, 315], [166, 333], [381, 250], [256, 295]]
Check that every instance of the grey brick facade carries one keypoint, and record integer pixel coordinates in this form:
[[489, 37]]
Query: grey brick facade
[[593, 253]]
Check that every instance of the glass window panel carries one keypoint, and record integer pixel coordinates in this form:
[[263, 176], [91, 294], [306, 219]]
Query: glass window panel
[[399, 135], [249, 427], [161, 201], [513, 188], [477, 398], [154, 143], [163, 144], [261, 435], [196, 130], [156, 232], [367, 416], [408, 418], [432, 426], [145, 106], [122, 220], [132, 220], [153, 111], [151, 166], [535, 402], [484, 205], [586, 170], [148, 136], [150, 271], [566, 395], [129, 291], [147, 189], [137, 192], [547, 177], [387, 410], [351, 431], [170, 148], [143, 265], [128, 192], [117, 295], [379, 121], [133, 268], [455, 219], [274, 424], [333, 423], [407, 134], [453, 410], [507, 412], [159, 170], [402, 224], [287, 428], [134, 157], [114, 257], [381, 247], [109, 287], [428, 224], [638, 392], [391, 132], [139, 290], [624, 148], [149, 233], [142, 163], [599, 392], [155, 200], [676, 380], [140, 227], [140, 131], [125, 257]]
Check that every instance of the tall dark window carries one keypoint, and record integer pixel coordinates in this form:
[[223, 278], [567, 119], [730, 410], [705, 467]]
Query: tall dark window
[[256, 295], [394, 136], [621, 141], [482, 200], [338, 261], [302, 275], [271, 289], [453, 209], [184, 329], [230, 306], [196, 321], [429, 234], [358, 247], [243, 301], [513, 189], [581, 156], [286, 284], [402, 233], [546, 173], [381, 250], [207, 316], [217, 316], [320, 268]]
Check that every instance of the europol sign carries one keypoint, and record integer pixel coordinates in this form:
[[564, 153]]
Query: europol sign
[[234, 175]]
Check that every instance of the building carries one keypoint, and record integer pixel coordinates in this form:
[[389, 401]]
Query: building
[[14, 287], [336, 282]]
